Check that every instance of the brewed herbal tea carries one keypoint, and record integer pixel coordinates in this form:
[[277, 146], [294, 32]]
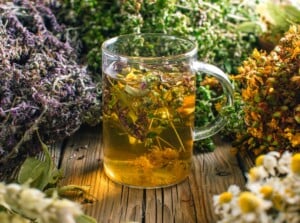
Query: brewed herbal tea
[[148, 121], [149, 105]]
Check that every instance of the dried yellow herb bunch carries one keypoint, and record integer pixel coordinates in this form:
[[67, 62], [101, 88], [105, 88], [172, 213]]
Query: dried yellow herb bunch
[[270, 88]]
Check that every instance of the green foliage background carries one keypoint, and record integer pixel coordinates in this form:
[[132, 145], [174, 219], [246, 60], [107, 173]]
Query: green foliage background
[[225, 31], [220, 27]]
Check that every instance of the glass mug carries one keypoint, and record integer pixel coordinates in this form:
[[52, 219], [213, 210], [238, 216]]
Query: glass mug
[[149, 92]]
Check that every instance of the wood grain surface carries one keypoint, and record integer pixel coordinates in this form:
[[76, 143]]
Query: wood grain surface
[[187, 202]]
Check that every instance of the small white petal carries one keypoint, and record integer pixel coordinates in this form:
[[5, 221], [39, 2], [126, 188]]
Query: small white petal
[[270, 163]]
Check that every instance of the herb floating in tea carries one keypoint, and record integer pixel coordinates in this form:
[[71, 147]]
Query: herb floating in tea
[[148, 119], [270, 86], [41, 85], [156, 96]]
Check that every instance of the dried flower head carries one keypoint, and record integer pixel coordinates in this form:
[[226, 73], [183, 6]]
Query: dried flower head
[[270, 90]]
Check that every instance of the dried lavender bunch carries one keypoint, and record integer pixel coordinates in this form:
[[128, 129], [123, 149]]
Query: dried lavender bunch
[[42, 87]]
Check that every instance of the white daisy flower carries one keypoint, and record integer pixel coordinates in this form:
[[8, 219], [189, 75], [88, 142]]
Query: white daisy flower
[[26, 203], [284, 163], [270, 162], [273, 192]]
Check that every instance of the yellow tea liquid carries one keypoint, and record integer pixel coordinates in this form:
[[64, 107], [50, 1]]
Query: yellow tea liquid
[[148, 123]]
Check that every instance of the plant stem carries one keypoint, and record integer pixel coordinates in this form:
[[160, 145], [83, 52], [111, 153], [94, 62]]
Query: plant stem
[[178, 136]]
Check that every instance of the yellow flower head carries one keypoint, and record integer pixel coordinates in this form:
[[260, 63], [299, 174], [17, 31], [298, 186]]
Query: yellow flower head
[[295, 163], [225, 197], [277, 201], [266, 191], [259, 160], [248, 202], [254, 174]]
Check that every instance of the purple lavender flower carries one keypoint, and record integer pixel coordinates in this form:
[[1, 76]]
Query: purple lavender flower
[[42, 87]]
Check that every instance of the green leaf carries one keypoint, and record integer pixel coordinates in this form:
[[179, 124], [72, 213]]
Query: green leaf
[[249, 27], [34, 171], [40, 173], [292, 13], [277, 14], [85, 219]]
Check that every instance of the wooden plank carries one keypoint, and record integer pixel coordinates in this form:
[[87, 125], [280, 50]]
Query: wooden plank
[[246, 161], [191, 201], [187, 202], [55, 150], [212, 174], [82, 165]]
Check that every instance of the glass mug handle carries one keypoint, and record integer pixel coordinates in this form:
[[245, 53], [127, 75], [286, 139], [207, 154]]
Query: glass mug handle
[[217, 124]]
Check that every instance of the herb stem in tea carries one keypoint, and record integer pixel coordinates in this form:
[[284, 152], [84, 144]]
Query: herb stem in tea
[[164, 141], [177, 135], [158, 142]]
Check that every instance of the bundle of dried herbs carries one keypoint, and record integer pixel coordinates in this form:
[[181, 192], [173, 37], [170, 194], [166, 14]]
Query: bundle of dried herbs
[[42, 87], [270, 86]]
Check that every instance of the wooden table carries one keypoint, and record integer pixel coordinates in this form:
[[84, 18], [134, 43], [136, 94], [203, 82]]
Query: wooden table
[[80, 158]]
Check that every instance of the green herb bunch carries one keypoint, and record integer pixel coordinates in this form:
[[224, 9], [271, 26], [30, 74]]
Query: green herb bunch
[[88, 24], [221, 29], [214, 25]]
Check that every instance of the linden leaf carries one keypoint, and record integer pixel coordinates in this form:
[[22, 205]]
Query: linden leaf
[[34, 171], [39, 173], [249, 27]]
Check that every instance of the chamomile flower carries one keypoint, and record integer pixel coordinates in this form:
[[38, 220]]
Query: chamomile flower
[[270, 162], [257, 173], [26, 204], [272, 195], [284, 163], [295, 163]]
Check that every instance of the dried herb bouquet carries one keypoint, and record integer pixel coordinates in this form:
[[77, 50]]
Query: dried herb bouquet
[[42, 87], [270, 84]]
